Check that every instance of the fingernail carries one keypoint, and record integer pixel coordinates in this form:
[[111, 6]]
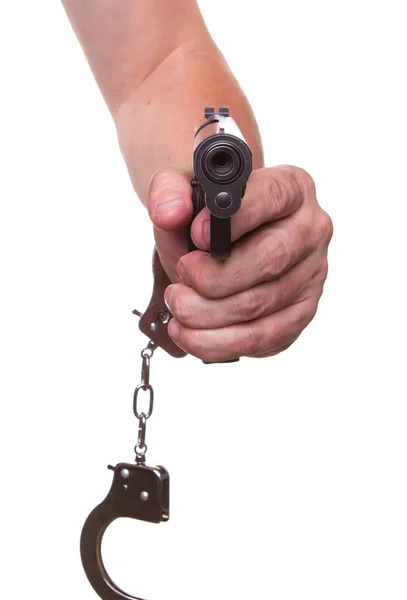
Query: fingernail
[[167, 296], [206, 231], [182, 272], [166, 203], [173, 329]]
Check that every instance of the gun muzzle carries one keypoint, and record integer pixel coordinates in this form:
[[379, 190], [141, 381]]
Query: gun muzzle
[[222, 164]]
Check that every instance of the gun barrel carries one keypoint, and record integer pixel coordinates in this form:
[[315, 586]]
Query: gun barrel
[[222, 164]]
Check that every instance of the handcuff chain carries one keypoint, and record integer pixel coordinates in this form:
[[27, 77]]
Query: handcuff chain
[[142, 416]]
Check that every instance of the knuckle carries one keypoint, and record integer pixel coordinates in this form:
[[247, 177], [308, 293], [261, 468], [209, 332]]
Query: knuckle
[[274, 258], [282, 291], [323, 271], [250, 306], [274, 192], [305, 181], [325, 227], [307, 312], [205, 283], [179, 309]]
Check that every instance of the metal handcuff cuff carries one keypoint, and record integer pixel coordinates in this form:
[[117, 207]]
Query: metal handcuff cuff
[[222, 164]]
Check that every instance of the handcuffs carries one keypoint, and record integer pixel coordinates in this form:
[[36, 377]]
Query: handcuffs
[[222, 165]]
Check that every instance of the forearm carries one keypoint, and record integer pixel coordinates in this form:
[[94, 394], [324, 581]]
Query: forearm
[[124, 40], [157, 68]]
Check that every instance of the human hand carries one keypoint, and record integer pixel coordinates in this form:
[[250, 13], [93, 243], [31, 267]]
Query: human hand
[[257, 302]]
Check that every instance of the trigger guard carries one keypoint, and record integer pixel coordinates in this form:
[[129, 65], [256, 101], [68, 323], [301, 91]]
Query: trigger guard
[[123, 500]]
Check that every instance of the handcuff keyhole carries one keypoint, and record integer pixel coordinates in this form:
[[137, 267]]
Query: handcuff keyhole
[[144, 496]]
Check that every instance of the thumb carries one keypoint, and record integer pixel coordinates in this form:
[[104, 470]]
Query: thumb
[[169, 199]]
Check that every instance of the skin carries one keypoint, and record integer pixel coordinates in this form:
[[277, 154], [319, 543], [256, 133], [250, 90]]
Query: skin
[[145, 56]]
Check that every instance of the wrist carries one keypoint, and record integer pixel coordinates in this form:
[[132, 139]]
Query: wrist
[[156, 123]]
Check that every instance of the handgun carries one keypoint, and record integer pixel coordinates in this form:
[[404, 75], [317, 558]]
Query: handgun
[[222, 163]]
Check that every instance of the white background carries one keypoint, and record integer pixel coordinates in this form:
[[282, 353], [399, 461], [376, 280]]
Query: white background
[[288, 475]]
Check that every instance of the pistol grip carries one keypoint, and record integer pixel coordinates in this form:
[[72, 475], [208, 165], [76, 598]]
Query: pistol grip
[[220, 228]]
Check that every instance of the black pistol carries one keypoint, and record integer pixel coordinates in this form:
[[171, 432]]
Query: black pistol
[[222, 164]]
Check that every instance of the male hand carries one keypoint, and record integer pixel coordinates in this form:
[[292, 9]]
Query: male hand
[[257, 302]]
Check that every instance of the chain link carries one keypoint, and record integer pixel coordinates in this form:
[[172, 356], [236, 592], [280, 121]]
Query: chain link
[[141, 446], [137, 412], [142, 415], [145, 372]]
